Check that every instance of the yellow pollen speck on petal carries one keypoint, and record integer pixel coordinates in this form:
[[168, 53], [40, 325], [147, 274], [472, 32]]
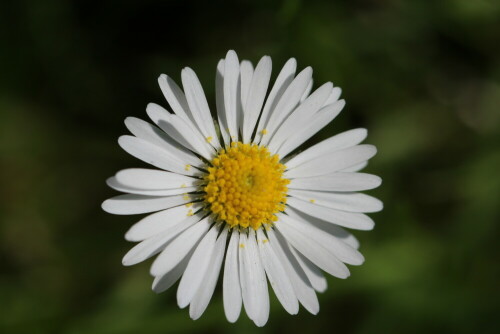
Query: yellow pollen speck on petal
[[242, 245], [189, 205], [187, 167], [183, 185], [264, 132], [245, 186], [185, 197], [190, 213], [312, 200], [264, 241], [209, 139]]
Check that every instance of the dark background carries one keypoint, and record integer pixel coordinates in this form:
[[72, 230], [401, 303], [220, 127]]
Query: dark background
[[422, 76]]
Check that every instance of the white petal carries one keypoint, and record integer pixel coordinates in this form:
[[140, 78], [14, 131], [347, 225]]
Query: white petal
[[356, 168], [332, 229], [163, 119], [164, 282], [256, 95], [301, 284], [282, 82], [145, 249], [334, 96], [153, 245], [312, 250], [199, 106], [160, 221], [337, 182], [137, 204], [231, 290], [332, 144], [153, 155], [198, 264], [358, 221], [153, 179], [152, 134], [179, 248], [219, 100], [333, 162], [320, 120], [246, 73], [277, 275], [202, 297], [253, 280], [288, 102], [113, 183], [333, 245], [231, 92], [180, 130], [175, 98], [307, 91], [353, 202], [300, 116], [313, 273]]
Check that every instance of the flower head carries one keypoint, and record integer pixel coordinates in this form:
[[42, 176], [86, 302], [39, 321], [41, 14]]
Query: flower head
[[228, 195]]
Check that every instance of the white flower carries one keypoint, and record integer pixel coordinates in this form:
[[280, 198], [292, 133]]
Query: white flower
[[231, 196]]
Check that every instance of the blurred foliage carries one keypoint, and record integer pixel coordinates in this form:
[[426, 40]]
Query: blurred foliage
[[422, 76]]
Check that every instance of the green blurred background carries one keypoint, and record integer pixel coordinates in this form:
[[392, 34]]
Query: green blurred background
[[422, 76]]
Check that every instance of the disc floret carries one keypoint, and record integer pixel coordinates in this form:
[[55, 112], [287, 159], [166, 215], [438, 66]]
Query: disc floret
[[245, 186]]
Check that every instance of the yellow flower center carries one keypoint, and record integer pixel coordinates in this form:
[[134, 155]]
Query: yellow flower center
[[245, 186]]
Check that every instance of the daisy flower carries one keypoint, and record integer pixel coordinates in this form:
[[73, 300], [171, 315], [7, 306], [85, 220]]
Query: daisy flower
[[231, 199]]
